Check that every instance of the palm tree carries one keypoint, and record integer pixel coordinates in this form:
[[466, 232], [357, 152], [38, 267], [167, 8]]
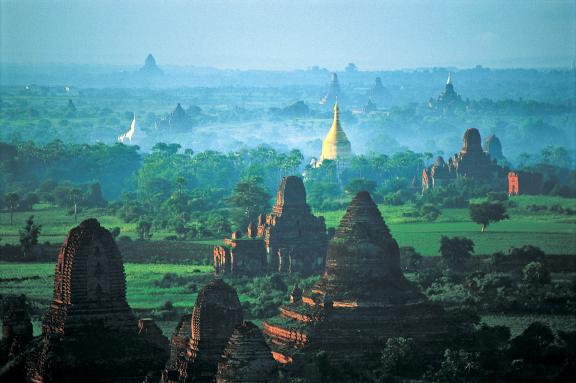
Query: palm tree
[[12, 200]]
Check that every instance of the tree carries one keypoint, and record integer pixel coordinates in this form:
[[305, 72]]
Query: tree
[[144, 229], [12, 200], [456, 250], [28, 202], [358, 185], [410, 259], [486, 213], [430, 212], [459, 366], [399, 356], [180, 184], [29, 235], [251, 199], [536, 274]]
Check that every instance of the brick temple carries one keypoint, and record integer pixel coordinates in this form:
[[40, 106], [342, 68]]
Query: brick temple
[[247, 358], [289, 239], [361, 300], [295, 239], [471, 162], [89, 333], [216, 313]]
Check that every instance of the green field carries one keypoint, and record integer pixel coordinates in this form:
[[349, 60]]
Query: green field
[[554, 233], [36, 281], [142, 292], [56, 223]]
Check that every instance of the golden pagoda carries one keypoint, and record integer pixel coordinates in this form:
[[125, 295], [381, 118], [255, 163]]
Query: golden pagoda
[[336, 146]]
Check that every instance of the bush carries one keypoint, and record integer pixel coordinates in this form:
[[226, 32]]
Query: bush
[[536, 274]]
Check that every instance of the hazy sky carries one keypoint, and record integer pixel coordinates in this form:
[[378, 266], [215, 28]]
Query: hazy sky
[[290, 34]]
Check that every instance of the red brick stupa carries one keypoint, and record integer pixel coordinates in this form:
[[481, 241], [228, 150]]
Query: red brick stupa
[[295, 239], [362, 299], [216, 313], [90, 333]]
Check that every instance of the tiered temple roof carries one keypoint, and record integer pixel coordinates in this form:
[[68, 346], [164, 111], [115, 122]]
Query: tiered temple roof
[[216, 313], [295, 239], [471, 162], [362, 299], [247, 358]]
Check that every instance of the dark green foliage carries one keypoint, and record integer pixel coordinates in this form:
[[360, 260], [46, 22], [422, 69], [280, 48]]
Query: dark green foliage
[[487, 212], [94, 197], [456, 250], [497, 197], [358, 185], [535, 273], [27, 203], [250, 199], [12, 200], [400, 357], [29, 235], [458, 367], [410, 259], [455, 194], [144, 229]]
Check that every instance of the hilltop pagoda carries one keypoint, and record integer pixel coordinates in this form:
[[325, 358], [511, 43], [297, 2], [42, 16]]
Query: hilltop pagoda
[[361, 300]]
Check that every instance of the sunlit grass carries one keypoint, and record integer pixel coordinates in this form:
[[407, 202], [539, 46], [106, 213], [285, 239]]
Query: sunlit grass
[[554, 233], [142, 291]]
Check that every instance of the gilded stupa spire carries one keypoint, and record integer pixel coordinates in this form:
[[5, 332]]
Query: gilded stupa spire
[[336, 146]]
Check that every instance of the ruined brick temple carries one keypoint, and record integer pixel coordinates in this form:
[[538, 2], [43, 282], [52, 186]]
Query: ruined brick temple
[[289, 239], [523, 182], [361, 300], [216, 313], [295, 239], [241, 255], [89, 333], [493, 147], [247, 358], [472, 162]]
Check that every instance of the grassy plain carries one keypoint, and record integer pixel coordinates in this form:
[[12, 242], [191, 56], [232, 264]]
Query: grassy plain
[[56, 223], [555, 233], [35, 280], [144, 294]]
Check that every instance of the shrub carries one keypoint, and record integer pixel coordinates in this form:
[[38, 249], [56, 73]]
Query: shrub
[[536, 274]]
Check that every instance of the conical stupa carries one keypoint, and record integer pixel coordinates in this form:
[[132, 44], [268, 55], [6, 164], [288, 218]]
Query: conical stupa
[[362, 300], [336, 146]]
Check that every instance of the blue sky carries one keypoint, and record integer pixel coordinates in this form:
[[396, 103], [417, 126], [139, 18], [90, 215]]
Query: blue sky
[[290, 34]]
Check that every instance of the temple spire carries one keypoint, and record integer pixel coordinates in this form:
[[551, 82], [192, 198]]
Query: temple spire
[[336, 120], [449, 81], [336, 146]]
